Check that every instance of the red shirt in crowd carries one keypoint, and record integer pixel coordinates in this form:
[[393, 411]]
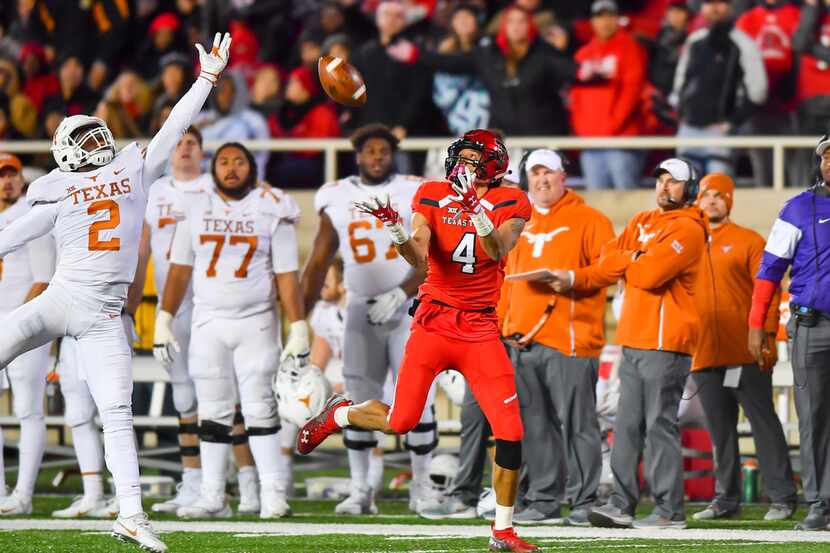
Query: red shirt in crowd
[[814, 74]]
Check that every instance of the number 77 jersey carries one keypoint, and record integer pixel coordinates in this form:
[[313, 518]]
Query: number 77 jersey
[[459, 272]]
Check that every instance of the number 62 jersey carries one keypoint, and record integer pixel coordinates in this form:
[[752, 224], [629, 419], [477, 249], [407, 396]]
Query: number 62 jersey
[[235, 249]]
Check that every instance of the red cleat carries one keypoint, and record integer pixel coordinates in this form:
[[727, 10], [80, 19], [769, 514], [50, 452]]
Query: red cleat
[[507, 540], [320, 427]]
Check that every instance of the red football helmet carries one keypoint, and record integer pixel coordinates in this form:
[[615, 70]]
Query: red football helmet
[[494, 160]]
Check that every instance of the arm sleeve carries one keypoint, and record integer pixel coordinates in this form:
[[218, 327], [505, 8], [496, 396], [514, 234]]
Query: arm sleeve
[[180, 118], [284, 250], [675, 252], [35, 223], [804, 36], [42, 256], [181, 250], [756, 253]]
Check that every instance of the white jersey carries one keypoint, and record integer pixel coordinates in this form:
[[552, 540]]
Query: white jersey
[[328, 322], [22, 268], [99, 218], [235, 248], [164, 208], [371, 262]]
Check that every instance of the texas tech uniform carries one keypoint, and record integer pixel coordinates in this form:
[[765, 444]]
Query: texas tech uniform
[[372, 266], [164, 208]]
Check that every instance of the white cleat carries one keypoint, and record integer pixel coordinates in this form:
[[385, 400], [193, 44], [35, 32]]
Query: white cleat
[[422, 493], [360, 502], [14, 504], [273, 502], [137, 529], [82, 506], [248, 492], [110, 509], [207, 506], [187, 493]]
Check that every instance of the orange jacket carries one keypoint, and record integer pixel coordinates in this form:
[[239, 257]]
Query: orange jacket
[[571, 234], [658, 255], [723, 296]]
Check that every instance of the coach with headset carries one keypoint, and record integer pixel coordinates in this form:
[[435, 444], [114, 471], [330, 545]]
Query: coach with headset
[[800, 237], [658, 257]]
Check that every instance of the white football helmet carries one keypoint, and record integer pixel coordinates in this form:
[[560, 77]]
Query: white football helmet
[[301, 390], [454, 385], [69, 151], [443, 470]]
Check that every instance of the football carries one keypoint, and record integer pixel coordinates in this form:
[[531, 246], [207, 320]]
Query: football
[[341, 81]]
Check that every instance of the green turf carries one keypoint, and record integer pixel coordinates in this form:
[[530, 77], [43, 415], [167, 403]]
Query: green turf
[[181, 542]]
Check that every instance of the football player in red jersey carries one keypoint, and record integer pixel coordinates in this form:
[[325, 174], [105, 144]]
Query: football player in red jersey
[[462, 230]]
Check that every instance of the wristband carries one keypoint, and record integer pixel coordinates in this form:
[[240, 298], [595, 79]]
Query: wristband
[[399, 234], [482, 223]]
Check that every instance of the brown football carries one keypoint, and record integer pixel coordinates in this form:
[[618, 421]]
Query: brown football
[[341, 81]]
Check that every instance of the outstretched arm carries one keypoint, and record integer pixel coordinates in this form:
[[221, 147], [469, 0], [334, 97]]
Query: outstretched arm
[[183, 113], [34, 224]]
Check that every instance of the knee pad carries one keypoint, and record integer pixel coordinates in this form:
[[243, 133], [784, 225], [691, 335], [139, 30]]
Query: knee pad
[[508, 454], [212, 431], [217, 411], [422, 439], [261, 414], [359, 440], [184, 397], [263, 430]]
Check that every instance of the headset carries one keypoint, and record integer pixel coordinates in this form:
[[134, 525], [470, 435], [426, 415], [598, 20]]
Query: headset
[[692, 187]]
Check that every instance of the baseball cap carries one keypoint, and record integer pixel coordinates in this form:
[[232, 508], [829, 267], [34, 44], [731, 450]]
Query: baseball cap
[[10, 160], [823, 144], [546, 158], [600, 6], [677, 168]]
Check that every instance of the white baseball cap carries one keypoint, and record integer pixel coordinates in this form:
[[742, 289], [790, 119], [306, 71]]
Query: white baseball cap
[[678, 169], [545, 157]]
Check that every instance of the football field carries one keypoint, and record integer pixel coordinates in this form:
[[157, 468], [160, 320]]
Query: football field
[[314, 528]]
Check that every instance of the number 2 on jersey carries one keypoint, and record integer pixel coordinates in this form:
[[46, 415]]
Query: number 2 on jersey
[[219, 241], [465, 253], [94, 243]]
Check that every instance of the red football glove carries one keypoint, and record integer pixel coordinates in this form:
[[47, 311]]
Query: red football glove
[[463, 181], [386, 214]]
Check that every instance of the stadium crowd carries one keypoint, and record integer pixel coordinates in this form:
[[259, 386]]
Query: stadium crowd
[[533, 67]]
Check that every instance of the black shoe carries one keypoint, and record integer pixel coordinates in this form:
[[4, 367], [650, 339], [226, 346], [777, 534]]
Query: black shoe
[[812, 522]]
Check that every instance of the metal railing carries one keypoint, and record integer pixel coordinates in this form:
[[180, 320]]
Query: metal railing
[[331, 146]]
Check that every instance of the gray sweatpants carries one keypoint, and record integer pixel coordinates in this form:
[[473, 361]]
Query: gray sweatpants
[[472, 454], [562, 447], [720, 406], [651, 385], [811, 375]]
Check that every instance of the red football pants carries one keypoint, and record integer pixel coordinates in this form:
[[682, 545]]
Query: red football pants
[[484, 364]]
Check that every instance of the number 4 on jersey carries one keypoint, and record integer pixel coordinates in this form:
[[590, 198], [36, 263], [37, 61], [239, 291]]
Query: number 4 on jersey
[[465, 253]]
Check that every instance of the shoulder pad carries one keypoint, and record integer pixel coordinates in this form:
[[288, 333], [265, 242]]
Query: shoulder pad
[[51, 187]]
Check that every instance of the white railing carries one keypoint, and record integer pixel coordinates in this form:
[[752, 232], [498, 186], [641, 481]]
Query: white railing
[[331, 146]]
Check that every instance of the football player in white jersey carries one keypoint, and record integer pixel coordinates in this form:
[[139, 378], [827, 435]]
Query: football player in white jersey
[[379, 283], [23, 275], [238, 245], [94, 204]]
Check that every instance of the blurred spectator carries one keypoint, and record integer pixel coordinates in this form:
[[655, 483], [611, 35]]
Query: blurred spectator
[[339, 46], [268, 20], [126, 106], [812, 41], [310, 47], [399, 91], [163, 37], [176, 77], [244, 50], [38, 82], [543, 17], [22, 112], [266, 98], [772, 24], [7, 130], [720, 81], [230, 119], [306, 113], [160, 114], [665, 49], [191, 15], [112, 20], [463, 99], [74, 96], [605, 99], [522, 73]]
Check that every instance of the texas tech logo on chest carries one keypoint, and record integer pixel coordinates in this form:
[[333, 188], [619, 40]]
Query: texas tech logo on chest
[[539, 240]]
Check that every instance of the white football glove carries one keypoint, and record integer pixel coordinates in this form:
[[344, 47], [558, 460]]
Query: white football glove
[[214, 62], [163, 339], [297, 344], [384, 306]]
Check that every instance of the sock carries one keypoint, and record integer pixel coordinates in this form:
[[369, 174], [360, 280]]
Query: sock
[[341, 416], [121, 456], [359, 467], [214, 463], [32, 444], [420, 466], [90, 454], [266, 452], [286, 469], [2, 467], [192, 477], [504, 517], [375, 473]]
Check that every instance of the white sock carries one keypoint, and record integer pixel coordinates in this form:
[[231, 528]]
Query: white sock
[[266, 452], [93, 485], [214, 464], [286, 462], [504, 517], [192, 477], [87, 443], [359, 467], [341, 416], [2, 467], [32, 444], [121, 456], [375, 473], [420, 466]]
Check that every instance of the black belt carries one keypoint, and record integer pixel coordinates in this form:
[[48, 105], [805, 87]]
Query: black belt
[[807, 316]]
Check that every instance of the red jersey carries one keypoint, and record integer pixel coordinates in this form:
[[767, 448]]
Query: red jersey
[[459, 271], [814, 74]]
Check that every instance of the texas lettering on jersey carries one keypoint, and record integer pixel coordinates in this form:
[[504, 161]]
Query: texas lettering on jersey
[[100, 191]]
